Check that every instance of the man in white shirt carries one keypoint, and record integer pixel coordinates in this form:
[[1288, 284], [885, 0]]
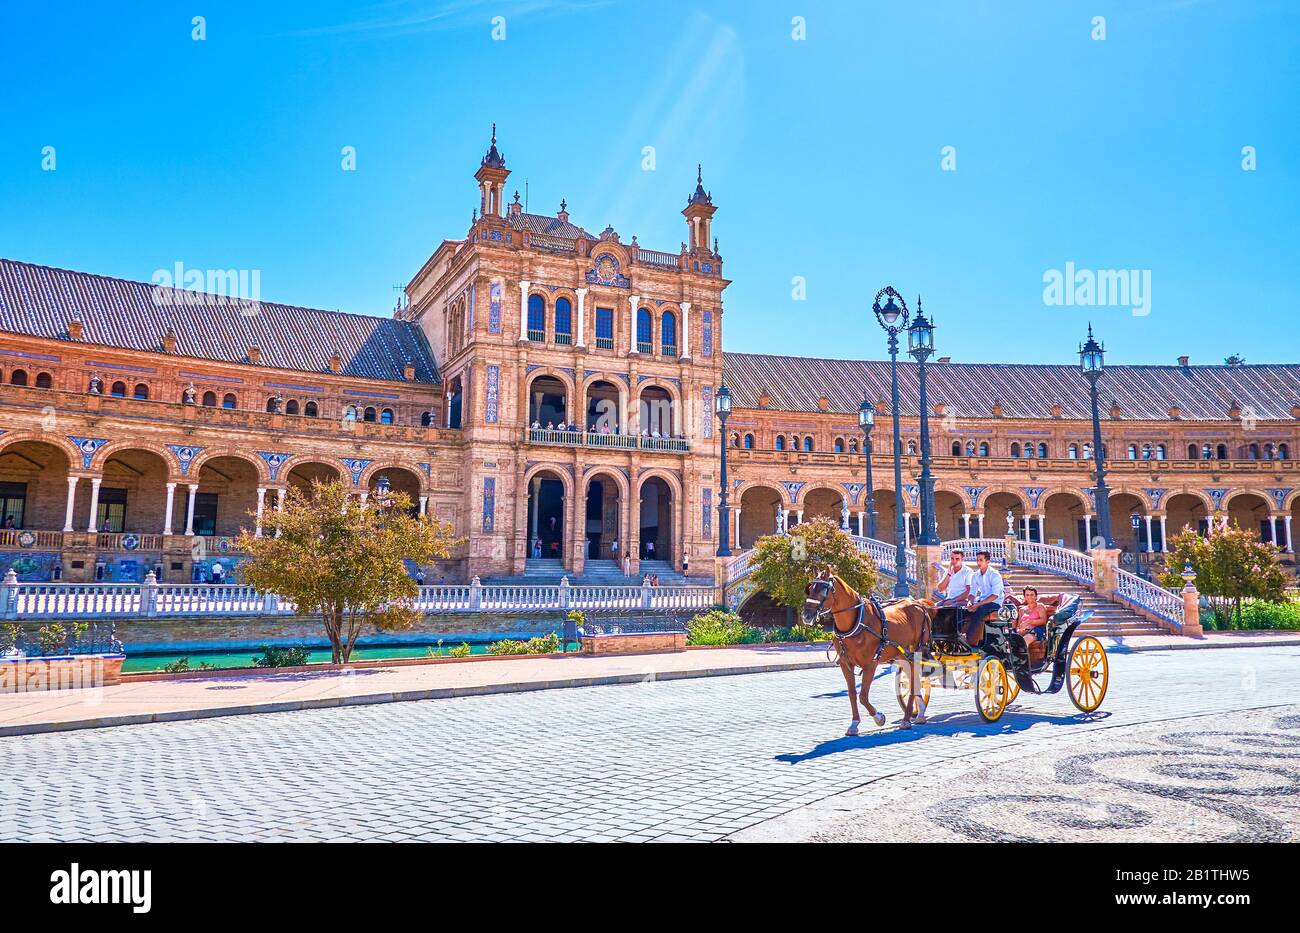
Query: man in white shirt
[[952, 594], [985, 598]]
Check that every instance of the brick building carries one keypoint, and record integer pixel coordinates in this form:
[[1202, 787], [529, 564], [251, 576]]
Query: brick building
[[549, 391]]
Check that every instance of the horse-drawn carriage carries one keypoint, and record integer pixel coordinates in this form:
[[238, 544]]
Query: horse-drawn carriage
[[866, 633], [1003, 665]]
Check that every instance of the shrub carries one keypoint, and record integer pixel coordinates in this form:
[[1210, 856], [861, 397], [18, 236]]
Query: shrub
[[1264, 615], [281, 657], [461, 650], [802, 631], [181, 665], [784, 565], [10, 632], [715, 627], [544, 644], [52, 638]]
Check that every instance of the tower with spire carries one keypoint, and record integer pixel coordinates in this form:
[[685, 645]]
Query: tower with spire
[[491, 176], [699, 215]]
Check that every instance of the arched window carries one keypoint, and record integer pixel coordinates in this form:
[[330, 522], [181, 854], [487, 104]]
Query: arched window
[[1192, 452], [118, 390], [44, 381], [536, 317], [1015, 450], [141, 391], [310, 410], [291, 407], [1073, 452], [270, 403], [1161, 452], [1029, 450], [1253, 452], [749, 442], [369, 415], [644, 331], [984, 449], [780, 442], [668, 334], [18, 377], [426, 419], [563, 321], [1283, 452], [386, 416], [228, 401], [1222, 452], [350, 413], [808, 443], [1042, 451], [1132, 451], [209, 400], [956, 448], [839, 445], [1146, 451]]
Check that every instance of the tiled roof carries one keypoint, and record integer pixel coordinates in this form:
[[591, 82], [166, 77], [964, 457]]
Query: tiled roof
[[969, 390], [551, 226], [40, 301]]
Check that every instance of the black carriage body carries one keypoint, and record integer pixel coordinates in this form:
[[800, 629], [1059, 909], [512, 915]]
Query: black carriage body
[[1003, 643]]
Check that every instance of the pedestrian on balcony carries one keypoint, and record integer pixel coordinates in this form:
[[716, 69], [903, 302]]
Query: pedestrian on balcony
[[550, 425], [537, 425], [9, 523], [686, 565], [562, 427], [218, 573]]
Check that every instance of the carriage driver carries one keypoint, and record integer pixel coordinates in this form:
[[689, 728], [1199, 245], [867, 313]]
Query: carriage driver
[[953, 591], [985, 598]]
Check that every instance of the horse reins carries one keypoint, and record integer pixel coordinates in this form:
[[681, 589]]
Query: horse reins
[[839, 637]]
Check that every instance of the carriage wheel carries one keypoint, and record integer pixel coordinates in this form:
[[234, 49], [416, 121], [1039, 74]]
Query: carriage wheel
[[902, 687], [1089, 673], [991, 689], [1013, 688]]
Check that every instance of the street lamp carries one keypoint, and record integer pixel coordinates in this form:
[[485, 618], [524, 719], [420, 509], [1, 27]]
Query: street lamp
[[1138, 546], [867, 421], [1092, 359], [893, 316], [722, 406], [920, 344]]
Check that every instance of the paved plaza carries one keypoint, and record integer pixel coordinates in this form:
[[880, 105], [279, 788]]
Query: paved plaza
[[701, 759]]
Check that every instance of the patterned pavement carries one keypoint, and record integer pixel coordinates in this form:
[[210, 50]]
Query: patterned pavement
[[681, 760]]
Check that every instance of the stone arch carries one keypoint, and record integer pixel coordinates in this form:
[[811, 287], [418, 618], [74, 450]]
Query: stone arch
[[667, 516], [602, 518], [1063, 508], [582, 404], [105, 453], [212, 453], [1138, 494], [566, 382], [801, 500], [560, 470], [994, 505], [371, 472], [303, 460], [64, 445], [749, 484], [609, 472]]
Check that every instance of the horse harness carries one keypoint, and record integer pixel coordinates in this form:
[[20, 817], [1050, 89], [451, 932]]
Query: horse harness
[[838, 637]]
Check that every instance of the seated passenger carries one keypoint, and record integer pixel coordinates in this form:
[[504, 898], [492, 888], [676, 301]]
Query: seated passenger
[[952, 593], [1032, 622], [985, 598]]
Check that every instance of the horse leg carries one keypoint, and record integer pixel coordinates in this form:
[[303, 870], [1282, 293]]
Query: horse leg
[[916, 671], [846, 668], [868, 674]]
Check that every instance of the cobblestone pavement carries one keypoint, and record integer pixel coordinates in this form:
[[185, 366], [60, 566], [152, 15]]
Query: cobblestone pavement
[[681, 760]]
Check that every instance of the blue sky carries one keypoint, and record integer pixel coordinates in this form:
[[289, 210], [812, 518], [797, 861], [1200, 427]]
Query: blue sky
[[824, 155]]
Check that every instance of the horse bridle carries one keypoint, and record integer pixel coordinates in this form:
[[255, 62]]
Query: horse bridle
[[827, 586]]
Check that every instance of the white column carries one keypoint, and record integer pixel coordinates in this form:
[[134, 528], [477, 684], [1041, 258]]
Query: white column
[[862, 523], [523, 309], [72, 501], [1087, 530], [1164, 534], [261, 503], [799, 519], [167, 510], [965, 525], [94, 503], [1026, 523], [280, 495], [1150, 540], [424, 505], [582, 317], [1272, 530], [536, 500], [1290, 548], [736, 536], [189, 508], [632, 301], [686, 330]]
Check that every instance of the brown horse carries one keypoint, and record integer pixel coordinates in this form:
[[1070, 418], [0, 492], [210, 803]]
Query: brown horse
[[863, 638]]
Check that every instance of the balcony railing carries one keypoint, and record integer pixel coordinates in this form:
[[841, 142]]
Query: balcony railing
[[653, 257], [29, 539], [130, 541], [644, 346], [674, 445], [536, 336], [604, 343]]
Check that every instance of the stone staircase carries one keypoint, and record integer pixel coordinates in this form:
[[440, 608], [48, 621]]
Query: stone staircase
[[548, 572], [1108, 618]]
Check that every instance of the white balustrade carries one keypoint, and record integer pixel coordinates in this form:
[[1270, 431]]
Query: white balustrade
[[1149, 596], [1059, 560]]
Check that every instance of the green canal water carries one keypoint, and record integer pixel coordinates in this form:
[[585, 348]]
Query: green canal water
[[143, 663]]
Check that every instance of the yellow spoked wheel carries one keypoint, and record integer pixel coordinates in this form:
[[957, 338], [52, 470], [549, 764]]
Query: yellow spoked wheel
[[903, 687], [1013, 688], [1089, 674], [991, 689]]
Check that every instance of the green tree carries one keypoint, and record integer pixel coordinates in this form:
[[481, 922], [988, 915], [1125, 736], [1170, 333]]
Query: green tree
[[785, 565], [1232, 564], [342, 559]]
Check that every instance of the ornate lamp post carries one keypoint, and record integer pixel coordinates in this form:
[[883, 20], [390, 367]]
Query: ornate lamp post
[[920, 344], [1092, 360], [722, 405], [867, 421], [893, 316]]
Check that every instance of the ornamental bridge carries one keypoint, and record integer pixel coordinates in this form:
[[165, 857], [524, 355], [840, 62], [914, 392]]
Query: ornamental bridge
[[1122, 603]]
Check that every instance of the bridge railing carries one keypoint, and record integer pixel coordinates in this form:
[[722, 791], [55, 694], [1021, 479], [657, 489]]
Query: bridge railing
[[1059, 560], [885, 554], [1152, 597]]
